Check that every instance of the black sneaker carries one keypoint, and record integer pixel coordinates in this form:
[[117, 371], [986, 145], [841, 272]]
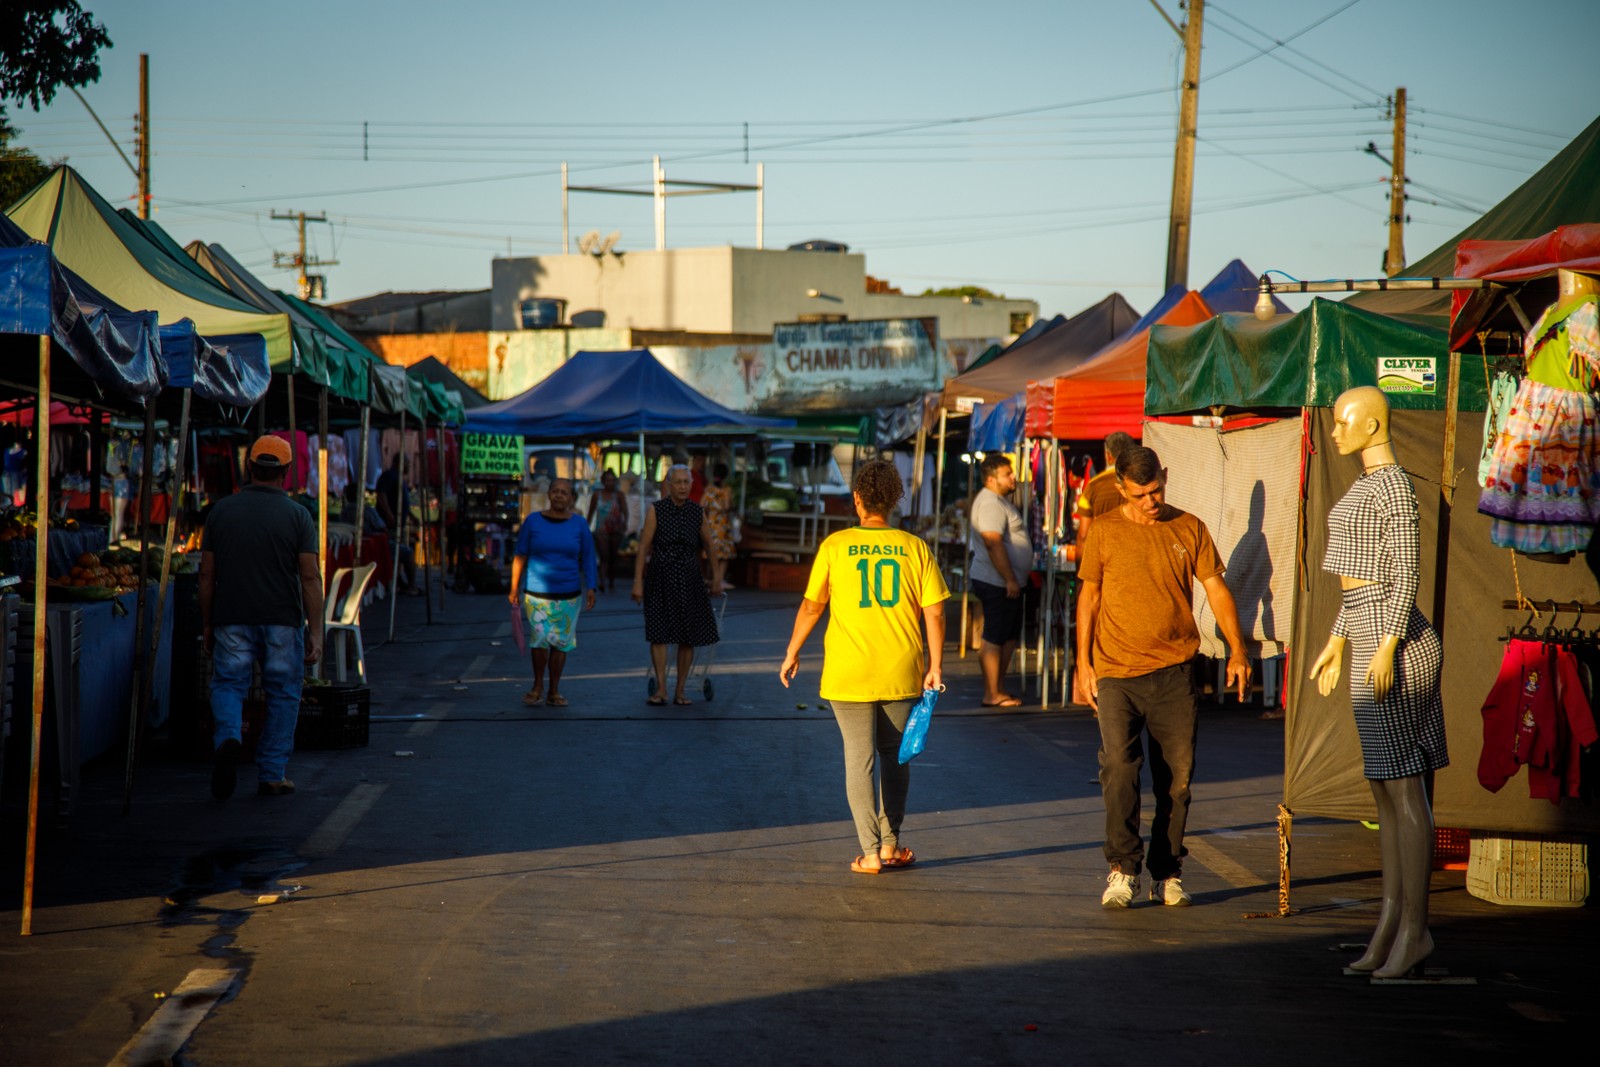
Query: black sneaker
[[224, 772], [281, 788]]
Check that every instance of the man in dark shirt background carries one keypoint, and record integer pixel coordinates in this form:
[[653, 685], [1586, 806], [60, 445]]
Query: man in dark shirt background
[[394, 506], [260, 587]]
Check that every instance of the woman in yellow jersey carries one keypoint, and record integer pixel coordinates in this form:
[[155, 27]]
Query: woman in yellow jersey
[[881, 586]]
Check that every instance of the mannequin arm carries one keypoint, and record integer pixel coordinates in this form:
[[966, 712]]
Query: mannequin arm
[[1329, 665], [1380, 672]]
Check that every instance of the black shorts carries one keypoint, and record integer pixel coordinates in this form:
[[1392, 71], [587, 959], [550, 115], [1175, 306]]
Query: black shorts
[[1002, 615]]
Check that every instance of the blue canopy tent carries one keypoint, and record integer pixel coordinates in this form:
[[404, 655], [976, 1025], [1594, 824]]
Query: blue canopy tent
[[609, 394], [997, 427]]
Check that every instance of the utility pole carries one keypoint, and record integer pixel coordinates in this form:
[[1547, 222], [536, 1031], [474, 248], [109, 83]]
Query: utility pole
[[1183, 163], [311, 286], [144, 135], [1395, 260]]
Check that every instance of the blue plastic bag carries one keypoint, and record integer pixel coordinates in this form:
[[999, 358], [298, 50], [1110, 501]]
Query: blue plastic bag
[[916, 733]]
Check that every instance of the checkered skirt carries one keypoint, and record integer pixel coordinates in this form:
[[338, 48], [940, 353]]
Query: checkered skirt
[[1403, 735]]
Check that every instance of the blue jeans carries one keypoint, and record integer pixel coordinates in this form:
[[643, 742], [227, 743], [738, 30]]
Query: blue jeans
[[281, 651]]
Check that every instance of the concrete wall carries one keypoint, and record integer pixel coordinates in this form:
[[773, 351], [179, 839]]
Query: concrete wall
[[521, 359], [466, 354], [730, 290]]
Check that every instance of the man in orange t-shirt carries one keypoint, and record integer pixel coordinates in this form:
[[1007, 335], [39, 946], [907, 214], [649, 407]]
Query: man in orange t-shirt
[[1136, 640]]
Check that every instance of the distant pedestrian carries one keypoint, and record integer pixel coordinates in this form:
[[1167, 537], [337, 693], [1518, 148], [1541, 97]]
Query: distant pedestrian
[[1136, 642], [717, 501], [1002, 561], [394, 507], [667, 582], [260, 605], [1100, 493], [881, 587], [608, 518]]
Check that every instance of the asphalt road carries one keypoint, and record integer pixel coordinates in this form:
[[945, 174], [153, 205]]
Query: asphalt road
[[487, 883]]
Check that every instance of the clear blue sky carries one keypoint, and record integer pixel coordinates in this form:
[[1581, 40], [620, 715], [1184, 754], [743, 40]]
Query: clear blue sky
[[1024, 146]]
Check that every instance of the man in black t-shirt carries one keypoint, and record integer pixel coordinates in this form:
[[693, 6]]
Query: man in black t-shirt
[[260, 586]]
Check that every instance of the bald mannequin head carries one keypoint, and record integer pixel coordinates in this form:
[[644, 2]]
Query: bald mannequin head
[[1361, 424]]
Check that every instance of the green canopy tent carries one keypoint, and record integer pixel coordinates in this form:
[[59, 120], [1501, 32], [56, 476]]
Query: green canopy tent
[[1565, 190], [1299, 365], [97, 243]]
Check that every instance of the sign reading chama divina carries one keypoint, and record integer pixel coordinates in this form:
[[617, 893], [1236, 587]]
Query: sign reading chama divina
[[491, 455]]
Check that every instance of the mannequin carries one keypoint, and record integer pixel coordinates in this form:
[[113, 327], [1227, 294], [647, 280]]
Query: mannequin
[[1394, 681]]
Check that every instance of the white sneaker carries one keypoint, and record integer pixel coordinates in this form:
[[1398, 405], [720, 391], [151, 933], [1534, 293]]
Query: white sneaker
[[1170, 892], [1120, 889]]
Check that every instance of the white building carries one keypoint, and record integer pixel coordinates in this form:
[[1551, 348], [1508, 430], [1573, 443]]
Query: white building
[[725, 291]]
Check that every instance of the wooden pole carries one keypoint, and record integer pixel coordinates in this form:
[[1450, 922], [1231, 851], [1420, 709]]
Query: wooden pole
[[141, 664], [1394, 260], [41, 546], [1183, 158]]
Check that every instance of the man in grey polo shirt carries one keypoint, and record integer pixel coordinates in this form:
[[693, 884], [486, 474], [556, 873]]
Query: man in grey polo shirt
[[1002, 559]]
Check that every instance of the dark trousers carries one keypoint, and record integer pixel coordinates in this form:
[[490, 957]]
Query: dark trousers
[[1163, 705]]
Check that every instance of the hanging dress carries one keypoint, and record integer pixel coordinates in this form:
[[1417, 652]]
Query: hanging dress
[[676, 608], [1542, 492]]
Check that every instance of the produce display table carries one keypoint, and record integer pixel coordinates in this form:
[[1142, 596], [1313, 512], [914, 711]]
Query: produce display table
[[64, 549]]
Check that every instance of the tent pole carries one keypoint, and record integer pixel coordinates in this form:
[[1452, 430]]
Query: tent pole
[[174, 505], [641, 483], [919, 454], [422, 524], [294, 440], [439, 525], [322, 486], [141, 664], [399, 520], [361, 478], [41, 546], [966, 554], [938, 484], [1447, 493]]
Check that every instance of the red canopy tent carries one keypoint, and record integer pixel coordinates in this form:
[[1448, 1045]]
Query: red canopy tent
[[1106, 392], [1575, 247]]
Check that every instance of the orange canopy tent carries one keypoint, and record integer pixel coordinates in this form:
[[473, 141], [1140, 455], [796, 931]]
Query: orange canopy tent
[[1105, 392]]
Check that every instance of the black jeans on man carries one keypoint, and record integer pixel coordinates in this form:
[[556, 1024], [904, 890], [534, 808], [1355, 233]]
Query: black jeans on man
[[1162, 704]]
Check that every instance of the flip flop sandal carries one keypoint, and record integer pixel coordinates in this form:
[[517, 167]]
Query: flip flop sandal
[[682, 702], [556, 700], [533, 697], [903, 857], [656, 701], [855, 865]]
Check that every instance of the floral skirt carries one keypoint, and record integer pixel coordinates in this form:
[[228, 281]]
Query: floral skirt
[[551, 623], [1542, 490]]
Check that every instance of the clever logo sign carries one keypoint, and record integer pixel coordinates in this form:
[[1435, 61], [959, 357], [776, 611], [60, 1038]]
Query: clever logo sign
[[1408, 374]]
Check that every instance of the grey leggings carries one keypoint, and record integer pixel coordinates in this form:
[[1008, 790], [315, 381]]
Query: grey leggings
[[871, 733]]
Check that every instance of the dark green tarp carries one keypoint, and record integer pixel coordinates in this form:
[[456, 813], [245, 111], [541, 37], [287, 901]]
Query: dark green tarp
[[1239, 363], [1564, 191]]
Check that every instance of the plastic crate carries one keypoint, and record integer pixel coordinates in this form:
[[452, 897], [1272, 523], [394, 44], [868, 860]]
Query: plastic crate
[[333, 716], [1538, 870]]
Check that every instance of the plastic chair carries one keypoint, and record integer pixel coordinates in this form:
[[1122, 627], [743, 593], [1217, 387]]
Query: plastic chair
[[341, 622]]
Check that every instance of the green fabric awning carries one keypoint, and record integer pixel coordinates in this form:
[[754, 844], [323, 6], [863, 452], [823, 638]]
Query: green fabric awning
[[849, 429], [134, 269], [1237, 362], [348, 360]]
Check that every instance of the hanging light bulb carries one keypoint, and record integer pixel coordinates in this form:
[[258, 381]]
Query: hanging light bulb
[[1264, 306]]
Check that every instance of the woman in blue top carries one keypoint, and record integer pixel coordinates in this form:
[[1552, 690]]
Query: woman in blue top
[[553, 566]]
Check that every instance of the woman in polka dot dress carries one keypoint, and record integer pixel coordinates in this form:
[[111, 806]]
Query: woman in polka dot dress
[[667, 582]]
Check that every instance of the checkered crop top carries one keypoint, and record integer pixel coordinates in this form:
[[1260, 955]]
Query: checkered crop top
[[1372, 535]]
